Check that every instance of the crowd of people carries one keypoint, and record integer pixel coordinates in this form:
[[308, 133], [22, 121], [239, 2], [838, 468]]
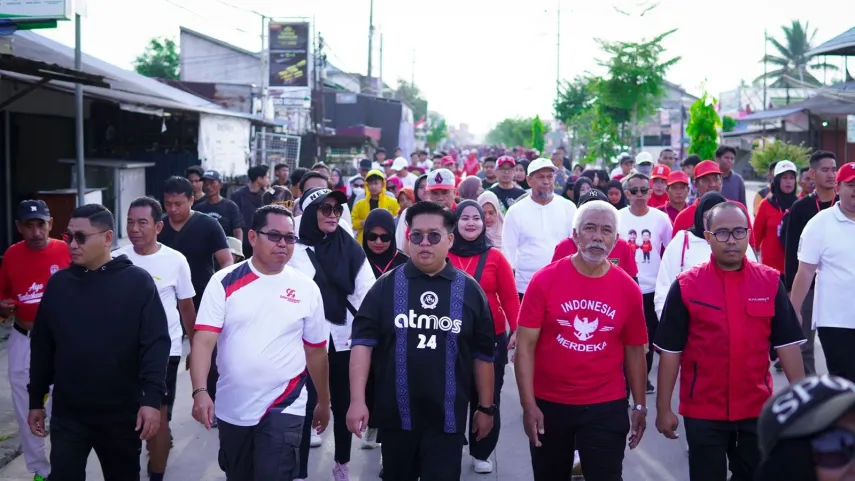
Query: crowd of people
[[393, 301]]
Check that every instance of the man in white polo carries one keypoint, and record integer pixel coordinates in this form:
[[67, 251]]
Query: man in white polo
[[825, 249], [535, 224]]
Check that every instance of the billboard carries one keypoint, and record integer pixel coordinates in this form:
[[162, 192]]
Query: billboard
[[288, 36], [35, 10], [289, 54]]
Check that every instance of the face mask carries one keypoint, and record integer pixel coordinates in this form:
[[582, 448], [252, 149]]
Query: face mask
[[357, 191], [645, 169]]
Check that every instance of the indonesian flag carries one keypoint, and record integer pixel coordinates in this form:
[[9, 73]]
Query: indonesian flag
[[420, 122]]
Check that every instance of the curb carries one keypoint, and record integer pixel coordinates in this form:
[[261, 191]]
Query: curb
[[9, 450]]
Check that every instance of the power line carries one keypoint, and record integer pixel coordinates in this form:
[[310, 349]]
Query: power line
[[182, 7]]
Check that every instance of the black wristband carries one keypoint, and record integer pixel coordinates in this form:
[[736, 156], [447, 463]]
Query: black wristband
[[197, 391]]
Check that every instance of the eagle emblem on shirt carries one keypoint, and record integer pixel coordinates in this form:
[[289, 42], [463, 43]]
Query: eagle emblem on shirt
[[584, 328]]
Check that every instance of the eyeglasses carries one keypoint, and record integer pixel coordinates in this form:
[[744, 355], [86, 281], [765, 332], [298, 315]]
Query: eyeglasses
[[639, 190], [79, 237], [723, 235], [433, 237], [834, 448], [276, 237], [372, 237], [329, 210]]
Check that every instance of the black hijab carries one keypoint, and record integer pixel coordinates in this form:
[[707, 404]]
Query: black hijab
[[707, 202], [615, 184], [466, 248], [577, 187], [419, 181], [339, 256], [524, 183], [779, 199], [382, 263]]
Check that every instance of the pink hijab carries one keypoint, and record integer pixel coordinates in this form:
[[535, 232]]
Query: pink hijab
[[494, 234]]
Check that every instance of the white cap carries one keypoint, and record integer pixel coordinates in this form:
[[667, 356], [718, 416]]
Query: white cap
[[785, 166], [540, 163], [643, 158], [400, 164], [235, 246], [376, 166]]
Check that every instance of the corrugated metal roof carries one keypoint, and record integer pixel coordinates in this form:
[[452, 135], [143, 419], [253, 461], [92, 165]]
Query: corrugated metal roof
[[772, 114], [843, 44]]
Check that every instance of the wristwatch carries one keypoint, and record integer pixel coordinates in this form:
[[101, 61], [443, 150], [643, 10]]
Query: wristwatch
[[489, 411], [639, 407]]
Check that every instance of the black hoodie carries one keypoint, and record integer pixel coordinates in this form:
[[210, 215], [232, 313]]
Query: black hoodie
[[101, 338]]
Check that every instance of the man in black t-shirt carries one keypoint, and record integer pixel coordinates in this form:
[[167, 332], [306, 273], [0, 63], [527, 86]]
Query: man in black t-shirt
[[423, 328], [224, 211], [506, 190]]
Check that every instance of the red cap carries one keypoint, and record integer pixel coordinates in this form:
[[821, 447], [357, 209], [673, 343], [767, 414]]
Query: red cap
[[447, 160], [505, 159], [707, 167], [661, 172], [846, 173], [678, 176]]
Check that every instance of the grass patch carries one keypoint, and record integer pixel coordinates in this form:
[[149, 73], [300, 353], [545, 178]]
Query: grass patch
[[4, 438]]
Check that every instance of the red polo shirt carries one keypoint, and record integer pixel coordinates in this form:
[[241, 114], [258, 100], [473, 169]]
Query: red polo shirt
[[25, 273]]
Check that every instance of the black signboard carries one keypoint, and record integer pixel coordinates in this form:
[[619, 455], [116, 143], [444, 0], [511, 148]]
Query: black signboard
[[289, 36], [289, 69]]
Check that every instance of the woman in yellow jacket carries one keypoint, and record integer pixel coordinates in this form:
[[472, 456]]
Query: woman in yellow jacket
[[375, 197]]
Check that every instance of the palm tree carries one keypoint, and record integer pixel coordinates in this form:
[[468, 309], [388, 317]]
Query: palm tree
[[791, 63]]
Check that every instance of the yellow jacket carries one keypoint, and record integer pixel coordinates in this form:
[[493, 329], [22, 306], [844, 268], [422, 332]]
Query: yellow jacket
[[362, 208]]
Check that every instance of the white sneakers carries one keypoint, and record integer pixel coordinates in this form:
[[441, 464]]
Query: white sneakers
[[369, 439], [315, 440], [482, 466]]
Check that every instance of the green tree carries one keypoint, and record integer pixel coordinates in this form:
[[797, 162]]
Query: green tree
[[702, 128], [538, 134], [636, 78], [791, 63], [412, 96], [512, 132], [159, 60], [574, 98], [728, 123], [778, 150], [437, 130]]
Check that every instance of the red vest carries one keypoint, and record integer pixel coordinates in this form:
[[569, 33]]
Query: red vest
[[724, 369]]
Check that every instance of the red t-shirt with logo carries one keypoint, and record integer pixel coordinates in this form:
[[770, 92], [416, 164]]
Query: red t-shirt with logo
[[621, 256], [24, 274], [584, 325]]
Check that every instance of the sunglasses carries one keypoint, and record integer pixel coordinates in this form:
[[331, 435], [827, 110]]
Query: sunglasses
[[328, 210], [433, 237], [834, 448], [639, 190], [78, 237], [372, 237], [723, 235], [276, 237]]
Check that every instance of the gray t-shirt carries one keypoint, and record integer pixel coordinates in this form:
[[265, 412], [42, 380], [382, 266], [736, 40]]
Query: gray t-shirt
[[733, 187]]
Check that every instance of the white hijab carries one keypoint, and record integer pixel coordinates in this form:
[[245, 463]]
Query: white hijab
[[494, 234]]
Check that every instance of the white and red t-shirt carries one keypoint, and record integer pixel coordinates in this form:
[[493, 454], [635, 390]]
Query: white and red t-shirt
[[263, 322], [584, 325]]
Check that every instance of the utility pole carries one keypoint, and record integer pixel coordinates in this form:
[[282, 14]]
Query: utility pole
[[78, 115], [558, 53], [380, 75], [370, 43], [261, 146], [765, 72], [413, 70]]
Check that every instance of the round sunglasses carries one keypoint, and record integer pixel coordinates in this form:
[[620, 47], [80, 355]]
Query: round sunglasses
[[433, 237]]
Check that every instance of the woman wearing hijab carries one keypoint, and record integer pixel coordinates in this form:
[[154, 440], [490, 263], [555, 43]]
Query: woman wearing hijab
[[470, 188], [337, 263], [581, 187], [473, 254], [493, 217], [521, 168], [379, 244], [615, 192], [569, 189], [770, 214], [687, 249], [419, 194]]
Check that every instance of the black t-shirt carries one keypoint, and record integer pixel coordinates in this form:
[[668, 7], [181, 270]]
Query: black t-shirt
[[487, 184], [426, 332], [673, 330], [200, 238], [225, 212], [800, 213], [507, 197]]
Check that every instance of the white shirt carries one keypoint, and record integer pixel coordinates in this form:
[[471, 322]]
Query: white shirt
[[531, 232], [171, 274], [409, 180], [676, 259], [827, 242], [649, 234], [364, 280], [263, 322]]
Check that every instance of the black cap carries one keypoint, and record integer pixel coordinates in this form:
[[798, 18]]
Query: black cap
[[365, 164], [593, 194], [318, 195], [804, 408], [212, 175], [33, 209]]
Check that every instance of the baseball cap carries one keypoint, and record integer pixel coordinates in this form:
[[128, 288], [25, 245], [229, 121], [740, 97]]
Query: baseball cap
[[538, 164], [212, 175], [846, 173], [660, 172], [365, 164], [318, 195], [505, 160], [707, 167], [593, 194], [400, 164], [677, 177], [644, 158], [440, 179], [33, 209], [624, 157], [786, 166], [235, 246], [804, 408], [446, 160]]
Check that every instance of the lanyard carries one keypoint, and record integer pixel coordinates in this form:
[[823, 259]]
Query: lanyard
[[383, 270], [818, 208]]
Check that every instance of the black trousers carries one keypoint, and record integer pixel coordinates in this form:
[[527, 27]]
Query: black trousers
[[427, 454], [339, 403], [117, 447], [837, 344], [598, 431], [267, 451], [483, 448], [712, 444], [652, 321]]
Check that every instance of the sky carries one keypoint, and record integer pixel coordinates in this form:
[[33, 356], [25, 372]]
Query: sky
[[479, 61]]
